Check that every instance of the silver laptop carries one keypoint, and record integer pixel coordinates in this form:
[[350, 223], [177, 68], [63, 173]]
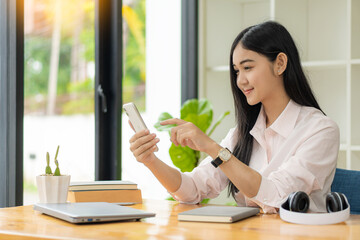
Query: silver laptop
[[90, 212]]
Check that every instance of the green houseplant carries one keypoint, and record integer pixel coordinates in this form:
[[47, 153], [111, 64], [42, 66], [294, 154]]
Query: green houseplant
[[52, 187], [200, 113]]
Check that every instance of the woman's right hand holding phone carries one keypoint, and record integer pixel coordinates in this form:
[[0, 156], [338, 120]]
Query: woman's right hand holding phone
[[143, 146]]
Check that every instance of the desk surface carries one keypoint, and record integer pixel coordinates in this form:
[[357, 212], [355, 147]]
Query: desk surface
[[25, 223]]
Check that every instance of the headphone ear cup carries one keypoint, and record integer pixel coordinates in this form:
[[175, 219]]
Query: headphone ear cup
[[286, 204], [299, 202], [335, 202]]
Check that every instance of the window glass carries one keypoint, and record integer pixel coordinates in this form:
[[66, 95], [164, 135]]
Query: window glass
[[59, 73], [151, 67]]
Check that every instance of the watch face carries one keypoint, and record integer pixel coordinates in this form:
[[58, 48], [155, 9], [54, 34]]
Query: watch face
[[224, 154]]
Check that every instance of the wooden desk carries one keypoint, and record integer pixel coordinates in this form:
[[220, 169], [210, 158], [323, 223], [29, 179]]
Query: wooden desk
[[25, 223]]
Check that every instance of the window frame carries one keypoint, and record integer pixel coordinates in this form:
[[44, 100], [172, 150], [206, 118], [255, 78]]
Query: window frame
[[108, 75], [11, 102], [189, 49]]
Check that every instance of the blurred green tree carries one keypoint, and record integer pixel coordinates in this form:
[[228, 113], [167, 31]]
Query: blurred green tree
[[78, 32]]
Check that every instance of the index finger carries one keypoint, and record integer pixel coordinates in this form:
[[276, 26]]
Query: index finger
[[173, 121]]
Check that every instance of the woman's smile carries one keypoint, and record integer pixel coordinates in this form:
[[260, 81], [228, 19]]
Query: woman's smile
[[248, 91]]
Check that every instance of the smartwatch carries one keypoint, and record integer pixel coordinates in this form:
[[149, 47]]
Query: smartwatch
[[223, 156]]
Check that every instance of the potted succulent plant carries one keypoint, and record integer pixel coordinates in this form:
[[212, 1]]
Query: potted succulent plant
[[52, 187]]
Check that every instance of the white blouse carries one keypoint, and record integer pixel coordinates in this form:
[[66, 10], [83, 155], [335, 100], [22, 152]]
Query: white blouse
[[298, 152]]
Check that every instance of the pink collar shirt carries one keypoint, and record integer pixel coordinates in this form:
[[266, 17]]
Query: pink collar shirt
[[298, 152]]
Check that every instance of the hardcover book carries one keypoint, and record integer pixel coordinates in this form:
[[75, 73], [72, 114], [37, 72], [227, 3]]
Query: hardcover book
[[125, 197], [101, 185], [225, 214]]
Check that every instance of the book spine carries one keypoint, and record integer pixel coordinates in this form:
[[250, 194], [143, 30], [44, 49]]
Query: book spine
[[112, 196], [101, 187]]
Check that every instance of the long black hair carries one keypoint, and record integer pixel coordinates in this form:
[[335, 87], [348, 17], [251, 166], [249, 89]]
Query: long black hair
[[268, 39]]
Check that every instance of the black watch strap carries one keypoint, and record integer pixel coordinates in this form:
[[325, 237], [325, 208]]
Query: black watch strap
[[216, 162]]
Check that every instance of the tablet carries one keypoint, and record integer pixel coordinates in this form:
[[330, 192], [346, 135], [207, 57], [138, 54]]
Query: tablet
[[225, 214]]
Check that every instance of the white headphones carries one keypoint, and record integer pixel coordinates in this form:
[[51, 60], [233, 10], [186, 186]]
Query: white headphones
[[295, 207]]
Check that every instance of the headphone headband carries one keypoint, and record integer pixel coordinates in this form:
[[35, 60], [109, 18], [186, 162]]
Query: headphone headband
[[315, 218]]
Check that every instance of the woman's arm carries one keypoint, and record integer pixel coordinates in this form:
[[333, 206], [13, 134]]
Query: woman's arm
[[246, 179], [143, 146]]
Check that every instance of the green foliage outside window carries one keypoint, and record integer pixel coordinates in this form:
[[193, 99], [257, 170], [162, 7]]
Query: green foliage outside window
[[74, 97], [134, 55]]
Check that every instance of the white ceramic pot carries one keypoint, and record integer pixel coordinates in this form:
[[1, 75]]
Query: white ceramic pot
[[53, 189]]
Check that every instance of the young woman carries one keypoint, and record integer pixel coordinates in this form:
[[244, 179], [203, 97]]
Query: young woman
[[282, 141]]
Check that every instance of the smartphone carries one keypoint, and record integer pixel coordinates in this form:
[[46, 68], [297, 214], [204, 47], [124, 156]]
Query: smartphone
[[134, 116]]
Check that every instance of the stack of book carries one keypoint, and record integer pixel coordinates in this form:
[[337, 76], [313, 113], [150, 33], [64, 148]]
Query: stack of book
[[122, 192]]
